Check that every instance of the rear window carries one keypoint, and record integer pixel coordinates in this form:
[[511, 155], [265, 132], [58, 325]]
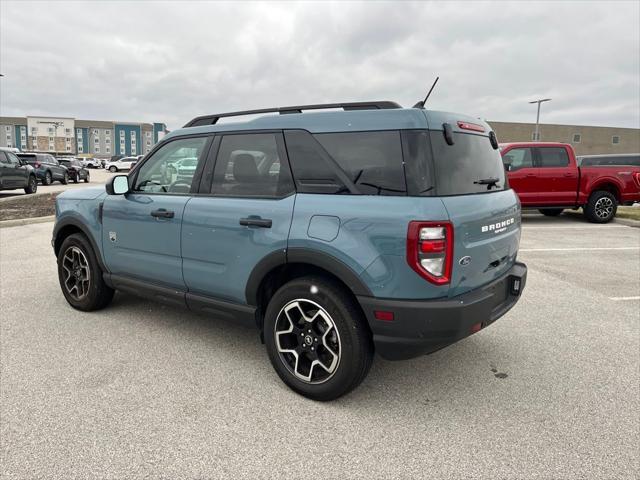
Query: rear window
[[470, 165]]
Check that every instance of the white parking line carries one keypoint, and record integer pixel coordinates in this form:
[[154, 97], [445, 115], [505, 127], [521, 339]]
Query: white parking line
[[622, 299], [576, 249]]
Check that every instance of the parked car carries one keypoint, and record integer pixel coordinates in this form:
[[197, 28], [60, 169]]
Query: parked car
[[16, 173], [125, 163], [47, 168], [624, 159], [546, 177], [92, 162], [343, 232], [76, 170]]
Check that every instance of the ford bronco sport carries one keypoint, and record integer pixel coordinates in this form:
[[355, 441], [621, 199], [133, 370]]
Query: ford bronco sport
[[364, 227]]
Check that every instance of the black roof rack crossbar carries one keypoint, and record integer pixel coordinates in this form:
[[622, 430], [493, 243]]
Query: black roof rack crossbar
[[213, 119]]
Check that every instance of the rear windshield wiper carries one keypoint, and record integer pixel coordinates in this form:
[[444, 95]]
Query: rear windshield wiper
[[489, 182]]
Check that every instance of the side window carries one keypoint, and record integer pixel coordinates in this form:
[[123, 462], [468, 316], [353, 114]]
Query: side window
[[518, 158], [553, 157], [3, 159], [371, 160], [418, 162], [251, 165], [171, 168], [313, 170]]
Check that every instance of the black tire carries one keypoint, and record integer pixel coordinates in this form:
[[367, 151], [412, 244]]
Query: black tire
[[98, 294], [48, 179], [32, 185], [65, 178], [76, 178], [355, 347], [601, 207], [113, 169], [86, 179], [551, 212]]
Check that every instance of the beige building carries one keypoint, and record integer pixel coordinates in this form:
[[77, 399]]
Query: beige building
[[586, 140]]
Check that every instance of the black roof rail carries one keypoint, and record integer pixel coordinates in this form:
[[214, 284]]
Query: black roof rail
[[213, 119]]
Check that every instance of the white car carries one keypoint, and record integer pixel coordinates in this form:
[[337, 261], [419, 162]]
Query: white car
[[91, 162], [125, 163]]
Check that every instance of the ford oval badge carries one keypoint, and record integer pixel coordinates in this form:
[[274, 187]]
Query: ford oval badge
[[465, 261]]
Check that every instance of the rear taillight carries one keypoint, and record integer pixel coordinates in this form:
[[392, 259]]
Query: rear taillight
[[636, 177], [37, 164], [430, 250]]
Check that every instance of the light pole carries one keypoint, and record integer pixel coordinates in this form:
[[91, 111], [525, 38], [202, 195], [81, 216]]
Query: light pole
[[537, 134]]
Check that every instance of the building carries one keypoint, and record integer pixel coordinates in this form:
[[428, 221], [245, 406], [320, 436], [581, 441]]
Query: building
[[83, 138], [586, 140]]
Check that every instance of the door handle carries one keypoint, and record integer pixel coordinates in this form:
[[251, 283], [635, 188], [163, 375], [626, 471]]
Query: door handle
[[568, 174], [162, 213], [256, 222], [530, 175]]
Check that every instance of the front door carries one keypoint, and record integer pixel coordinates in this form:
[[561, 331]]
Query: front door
[[141, 229], [245, 216], [523, 176]]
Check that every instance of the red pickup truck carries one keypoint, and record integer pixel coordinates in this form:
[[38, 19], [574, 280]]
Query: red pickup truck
[[546, 176]]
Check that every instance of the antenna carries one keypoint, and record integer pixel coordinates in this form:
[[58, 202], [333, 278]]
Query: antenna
[[422, 102]]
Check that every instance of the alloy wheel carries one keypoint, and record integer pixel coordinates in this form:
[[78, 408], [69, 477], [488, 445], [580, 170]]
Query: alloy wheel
[[77, 273], [604, 207], [307, 341]]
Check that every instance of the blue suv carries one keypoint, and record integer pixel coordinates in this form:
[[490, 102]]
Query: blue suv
[[359, 228]]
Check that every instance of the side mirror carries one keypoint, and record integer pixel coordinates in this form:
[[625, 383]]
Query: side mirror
[[118, 185], [507, 167]]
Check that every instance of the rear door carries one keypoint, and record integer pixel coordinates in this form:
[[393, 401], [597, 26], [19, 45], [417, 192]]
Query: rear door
[[7, 174], [242, 215], [141, 229], [522, 173], [558, 183], [485, 217]]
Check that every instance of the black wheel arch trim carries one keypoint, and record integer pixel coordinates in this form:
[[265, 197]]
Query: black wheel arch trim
[[316, 258], [61, 224]]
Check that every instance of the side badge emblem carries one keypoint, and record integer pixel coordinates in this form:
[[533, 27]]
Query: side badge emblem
[[112, 236], [465, 261]]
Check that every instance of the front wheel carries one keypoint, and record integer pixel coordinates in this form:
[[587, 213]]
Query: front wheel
[[32, 185], [601, 207], [86, 179], [48, 179], [80, 275], [317, 338], [113, 169], [65, 178], [551, 212]]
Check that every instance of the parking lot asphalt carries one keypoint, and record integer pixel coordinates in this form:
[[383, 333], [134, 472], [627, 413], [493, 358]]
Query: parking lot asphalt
[[140, 390]]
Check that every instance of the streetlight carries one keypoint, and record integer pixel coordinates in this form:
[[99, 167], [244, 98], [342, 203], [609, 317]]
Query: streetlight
[[537, 134]]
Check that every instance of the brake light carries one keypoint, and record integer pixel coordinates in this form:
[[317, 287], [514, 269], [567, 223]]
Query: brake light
[[37, 165], [430, 250], [470, 126], [636, 177]]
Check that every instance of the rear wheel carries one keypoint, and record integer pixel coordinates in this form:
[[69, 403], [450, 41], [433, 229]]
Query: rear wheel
[[80, 275], [32, 185], [601, 207], [317, 338], [113, 169], [551, 212], [48, 179]]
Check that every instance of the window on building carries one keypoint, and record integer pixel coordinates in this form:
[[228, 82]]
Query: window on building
[[68, 139], [34, 145], [133, 149], [52, 148], [34, 131], [96, 140], [121, 133], [96, 148], [50, 130], [577, 138], [615, 140], [79, 133], [148, 143], [9, 145], [148, 134], [7, 128], [50, 139], [80, 148], [23, 137], [68, 148], [107, 132], [96, 132], [8, 137], [107, 149], [535, 137], [67, 132], [107, 140]]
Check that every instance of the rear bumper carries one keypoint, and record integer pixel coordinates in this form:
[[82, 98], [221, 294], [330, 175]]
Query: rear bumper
[[424, 326]]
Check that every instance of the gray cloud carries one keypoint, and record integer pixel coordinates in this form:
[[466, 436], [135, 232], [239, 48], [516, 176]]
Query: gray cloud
[[171, 61]]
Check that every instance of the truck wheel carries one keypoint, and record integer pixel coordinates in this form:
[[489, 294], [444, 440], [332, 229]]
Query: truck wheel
[[317, 338], [551, 212], [32, 185], [601, 207], [48, 179], [80, 275]]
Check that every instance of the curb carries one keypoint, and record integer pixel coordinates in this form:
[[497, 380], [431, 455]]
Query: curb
[[628, 221], [26, 221]]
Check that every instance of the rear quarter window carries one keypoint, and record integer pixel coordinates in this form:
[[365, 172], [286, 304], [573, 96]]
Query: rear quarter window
[[462, 168]]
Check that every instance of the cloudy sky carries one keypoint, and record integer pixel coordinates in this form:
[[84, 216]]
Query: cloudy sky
[[171, 61]]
